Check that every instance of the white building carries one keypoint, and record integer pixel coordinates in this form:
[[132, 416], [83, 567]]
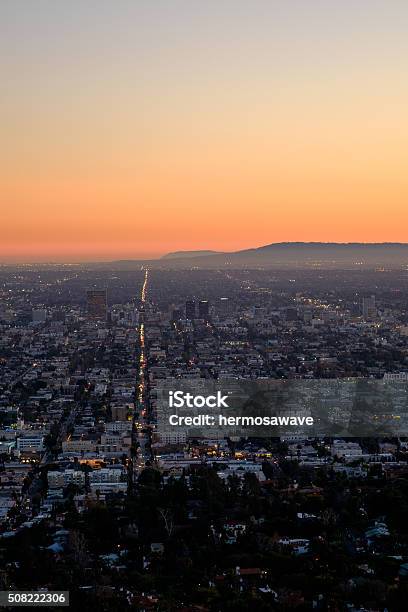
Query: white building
[[398, 376], [39, 316], [108, 474], [347, 450], [59, 480], [118, 426], [30, 443]]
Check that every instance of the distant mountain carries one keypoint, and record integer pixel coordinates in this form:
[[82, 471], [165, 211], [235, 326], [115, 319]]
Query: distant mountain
[[279, 255], [304, 255], [282, 255], [184, 254]]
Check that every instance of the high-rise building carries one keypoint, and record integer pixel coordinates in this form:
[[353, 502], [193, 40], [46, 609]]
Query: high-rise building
[[368, 308], [190, 309], [58, 315], [291, 314], [307, 316], [119, 412], [224, 306], [39, 315], [176, 314], [204, 309], [96, 301]]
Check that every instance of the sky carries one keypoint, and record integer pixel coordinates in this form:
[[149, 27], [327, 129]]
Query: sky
[[133, 128]]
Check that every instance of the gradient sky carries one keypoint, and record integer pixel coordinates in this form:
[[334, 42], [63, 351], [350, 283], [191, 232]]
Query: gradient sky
[[132, 128]]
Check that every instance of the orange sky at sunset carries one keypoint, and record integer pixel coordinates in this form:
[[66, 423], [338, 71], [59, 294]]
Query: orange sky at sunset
[[133, 133]]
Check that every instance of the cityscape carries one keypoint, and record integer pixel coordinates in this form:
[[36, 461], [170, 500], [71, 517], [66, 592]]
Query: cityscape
[[204, 305], [96, 500]]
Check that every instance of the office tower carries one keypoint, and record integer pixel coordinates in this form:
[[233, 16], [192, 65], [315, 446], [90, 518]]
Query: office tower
[[307, 316], [291, 314], [58, 315], [224, 306], [369, 309], [7, 315], [177, 314], [96, 301], [204, 310], [329, 316], [39, 315], [190, 309], [119, 412]]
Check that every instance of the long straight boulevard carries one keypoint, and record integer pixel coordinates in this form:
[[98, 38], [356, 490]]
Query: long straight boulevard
[[140, 429]]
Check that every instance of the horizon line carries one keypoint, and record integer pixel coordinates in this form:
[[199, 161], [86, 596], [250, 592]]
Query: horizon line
[[210, 253]]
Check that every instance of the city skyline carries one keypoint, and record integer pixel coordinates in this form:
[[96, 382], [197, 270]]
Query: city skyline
[[204, 305], [159, 127]]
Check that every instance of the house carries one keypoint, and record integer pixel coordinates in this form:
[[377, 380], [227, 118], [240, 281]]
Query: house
[[298, 546]]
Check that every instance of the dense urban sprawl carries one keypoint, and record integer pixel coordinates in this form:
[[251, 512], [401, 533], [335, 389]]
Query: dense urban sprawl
[[95, 500]]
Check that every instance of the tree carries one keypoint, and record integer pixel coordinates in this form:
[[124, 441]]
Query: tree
[[167, 516]]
